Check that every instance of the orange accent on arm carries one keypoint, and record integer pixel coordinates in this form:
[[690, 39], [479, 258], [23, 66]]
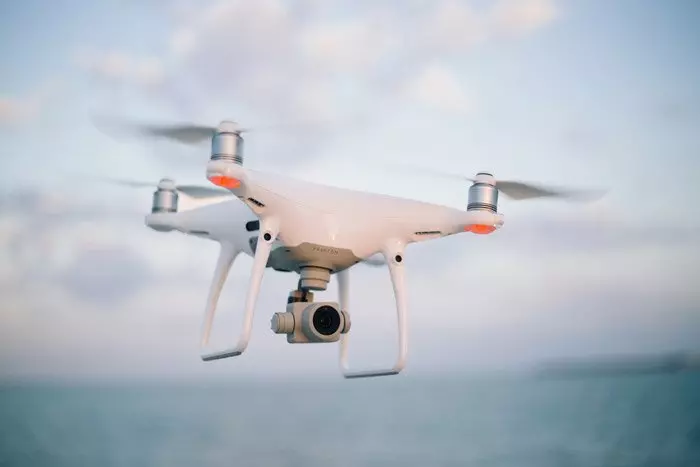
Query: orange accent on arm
[[229, 183], [479, 229]]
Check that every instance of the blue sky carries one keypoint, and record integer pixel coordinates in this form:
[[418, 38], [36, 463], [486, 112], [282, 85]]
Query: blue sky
[[594, 93]]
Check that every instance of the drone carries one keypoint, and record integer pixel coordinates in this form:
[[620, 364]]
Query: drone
[[313, 230]]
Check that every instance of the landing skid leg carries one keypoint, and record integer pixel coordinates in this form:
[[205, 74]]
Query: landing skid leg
[[396, 270], [227, 256]]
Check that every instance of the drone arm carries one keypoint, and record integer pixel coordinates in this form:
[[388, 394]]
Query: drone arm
[[229, 176], [396, 270], [227, 255]]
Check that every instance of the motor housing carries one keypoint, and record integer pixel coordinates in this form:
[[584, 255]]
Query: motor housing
[[227, 143], [164, 200], [483, 194]]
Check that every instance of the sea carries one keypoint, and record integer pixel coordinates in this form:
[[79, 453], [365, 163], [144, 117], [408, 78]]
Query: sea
[[514, 421]]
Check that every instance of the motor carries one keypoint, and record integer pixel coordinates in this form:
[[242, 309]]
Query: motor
[[483, 194]]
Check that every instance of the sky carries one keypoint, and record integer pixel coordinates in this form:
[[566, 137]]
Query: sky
[[591, 94]]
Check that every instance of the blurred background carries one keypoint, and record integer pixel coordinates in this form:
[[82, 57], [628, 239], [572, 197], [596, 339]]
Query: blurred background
[[100, 316]]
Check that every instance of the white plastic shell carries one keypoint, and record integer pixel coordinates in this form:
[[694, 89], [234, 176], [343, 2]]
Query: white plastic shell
[[295, 211]]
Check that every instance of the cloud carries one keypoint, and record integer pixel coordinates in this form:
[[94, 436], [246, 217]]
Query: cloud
[[268, 56], [106, 275], [451, 26], [118, 68], [351, 46], [275, 63], [16, 110], [516, 306], [683, 110], [436, 87], [591, 231], [42, 231], [522, 16]]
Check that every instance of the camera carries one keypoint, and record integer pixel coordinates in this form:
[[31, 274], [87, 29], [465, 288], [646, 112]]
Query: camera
[[306, 322]]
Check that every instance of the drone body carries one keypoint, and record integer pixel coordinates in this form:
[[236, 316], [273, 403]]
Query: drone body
[[315, 231]]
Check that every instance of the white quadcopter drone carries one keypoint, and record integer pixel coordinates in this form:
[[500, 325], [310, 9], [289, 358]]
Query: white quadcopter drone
[[315, 231]]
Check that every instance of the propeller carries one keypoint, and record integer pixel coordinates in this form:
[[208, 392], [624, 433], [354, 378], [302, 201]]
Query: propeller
[[187, 133], [194, 191], [520, 190]]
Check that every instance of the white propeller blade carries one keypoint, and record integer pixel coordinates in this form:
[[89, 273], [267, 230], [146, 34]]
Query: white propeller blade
[[519, 190], [194, 191]]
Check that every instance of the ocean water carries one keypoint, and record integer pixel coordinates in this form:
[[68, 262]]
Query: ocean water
[[641, 420]]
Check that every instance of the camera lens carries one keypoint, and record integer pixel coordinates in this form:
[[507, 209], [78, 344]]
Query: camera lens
[[326, 320]]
